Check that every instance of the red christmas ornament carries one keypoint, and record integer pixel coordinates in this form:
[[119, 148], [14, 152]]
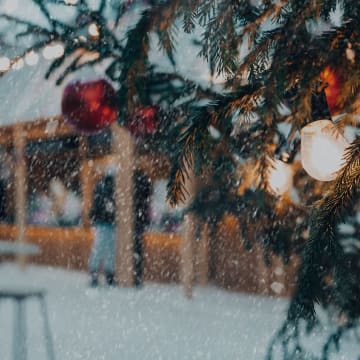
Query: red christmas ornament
[[89, 106], [334, 81], [144, 122]]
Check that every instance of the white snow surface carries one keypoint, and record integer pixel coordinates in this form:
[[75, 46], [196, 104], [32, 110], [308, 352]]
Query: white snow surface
[[153, 322]]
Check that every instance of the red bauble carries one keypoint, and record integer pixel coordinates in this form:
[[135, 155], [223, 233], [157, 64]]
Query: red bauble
[[89, 106], [334, 82], [143, 122]]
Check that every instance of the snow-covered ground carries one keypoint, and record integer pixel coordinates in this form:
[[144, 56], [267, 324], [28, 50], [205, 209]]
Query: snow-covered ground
[[154, 322]]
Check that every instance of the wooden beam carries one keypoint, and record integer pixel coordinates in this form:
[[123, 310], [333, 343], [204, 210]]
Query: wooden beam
[[203, 256], [263, 271], [156, 166], [187, 254], [188, 239], [278, 286], [40, 129], [20, 185], [48, 128], [123, 149], [100, 164], [86, 181], [6, 135]]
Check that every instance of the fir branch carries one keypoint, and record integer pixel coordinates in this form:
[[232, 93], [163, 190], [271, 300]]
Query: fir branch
[[219, 45], [192, 140], [322, 240], [221, 40], [191, 146], [189, 15], [52, 22], [323, 251], [33, 27], [135, 52], [76, 65]]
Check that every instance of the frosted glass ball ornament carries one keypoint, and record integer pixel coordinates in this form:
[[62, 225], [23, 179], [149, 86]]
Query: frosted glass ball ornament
[[322, 150], [279, 177]]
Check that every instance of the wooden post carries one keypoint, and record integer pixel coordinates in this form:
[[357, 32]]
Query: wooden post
[[123, 148], [264, 274], [203, 256], [187, 254], [263, 271], [279, 284], [86, 180], [20, 186], [187, 243]]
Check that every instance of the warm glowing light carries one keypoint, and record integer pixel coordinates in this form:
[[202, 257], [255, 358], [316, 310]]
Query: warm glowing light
[[322, 150], [70, 2], [18, 64], [4, 64], [94, 30], [31, 58], [334, 79], [53, 51], [279, 176]]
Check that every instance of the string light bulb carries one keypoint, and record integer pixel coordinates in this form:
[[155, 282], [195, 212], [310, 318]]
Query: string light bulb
[[322, 150], [53, 51], [279, 176], [4, 64], [94, 31], [31, 58], [18, 64]]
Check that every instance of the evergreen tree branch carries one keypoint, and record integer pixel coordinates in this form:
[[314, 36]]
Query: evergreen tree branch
[[323, 255]]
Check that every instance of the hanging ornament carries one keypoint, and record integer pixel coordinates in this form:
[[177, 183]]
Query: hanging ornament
[[279, 176], [322, 149], [334, 80], [89, 106], [144, 122]]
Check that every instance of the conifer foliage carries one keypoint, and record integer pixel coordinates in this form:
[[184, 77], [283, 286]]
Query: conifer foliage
[[271, 55]]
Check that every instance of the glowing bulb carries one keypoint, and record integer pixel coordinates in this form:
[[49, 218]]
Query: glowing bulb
[[18, 64], [70, 2], [279, 176], [322, 150], [94, 30], [53, 51], [31, 58], [4, 64]]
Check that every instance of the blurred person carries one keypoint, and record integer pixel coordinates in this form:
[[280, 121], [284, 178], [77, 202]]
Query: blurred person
[[142, 196], [102, 217]]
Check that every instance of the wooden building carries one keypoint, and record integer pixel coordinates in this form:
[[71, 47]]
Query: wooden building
[[35, 152]]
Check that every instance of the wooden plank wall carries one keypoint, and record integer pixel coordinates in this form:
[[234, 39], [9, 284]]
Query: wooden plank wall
[[236, 268], [232, 266], [67, 247]]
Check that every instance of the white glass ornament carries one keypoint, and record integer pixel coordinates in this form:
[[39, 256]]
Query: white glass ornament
[[279, 176], [322, 149], [31, 58]]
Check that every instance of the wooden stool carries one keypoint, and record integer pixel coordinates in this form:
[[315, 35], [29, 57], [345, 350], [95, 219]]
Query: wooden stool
[[19, 340]]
